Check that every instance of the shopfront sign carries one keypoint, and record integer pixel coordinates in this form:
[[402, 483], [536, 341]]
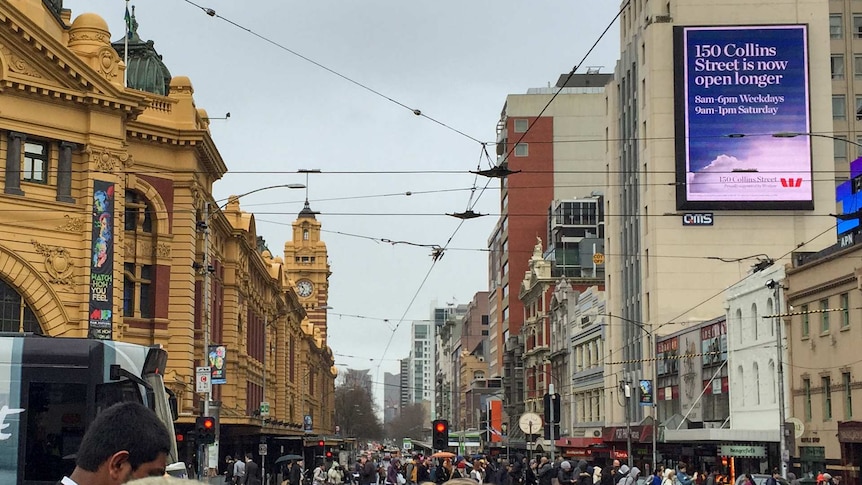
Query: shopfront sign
[[812, 453], [849, 435], [742, 451]]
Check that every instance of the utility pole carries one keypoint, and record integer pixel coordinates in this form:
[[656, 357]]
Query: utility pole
[[782, 438], [654, 403], [552, 420], [627, 394], [204, 469]]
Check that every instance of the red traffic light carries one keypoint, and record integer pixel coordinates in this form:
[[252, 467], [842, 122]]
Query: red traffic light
[[440, 427], [320, 443], [329, 454], [208, 423]]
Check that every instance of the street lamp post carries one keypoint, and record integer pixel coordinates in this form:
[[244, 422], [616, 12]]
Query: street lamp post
[[627, 390], [208, 269]]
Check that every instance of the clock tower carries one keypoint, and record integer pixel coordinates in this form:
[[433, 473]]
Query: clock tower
[[307, 265]]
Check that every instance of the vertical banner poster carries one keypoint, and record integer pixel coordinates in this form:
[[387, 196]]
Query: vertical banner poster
[[307, 424], [646, 397], [217, 354], [102, 262], [742, 117]]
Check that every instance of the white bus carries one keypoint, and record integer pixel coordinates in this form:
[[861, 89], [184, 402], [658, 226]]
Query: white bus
[[51, 389]]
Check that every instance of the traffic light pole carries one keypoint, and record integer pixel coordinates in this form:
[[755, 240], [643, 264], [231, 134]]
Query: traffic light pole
[[552, 421]]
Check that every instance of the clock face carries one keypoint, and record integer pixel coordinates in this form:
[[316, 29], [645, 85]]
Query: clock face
[[530, 423], [304, 288]]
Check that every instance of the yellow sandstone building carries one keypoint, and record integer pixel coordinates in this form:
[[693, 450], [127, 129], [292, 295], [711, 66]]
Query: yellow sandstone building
[[108, 229]]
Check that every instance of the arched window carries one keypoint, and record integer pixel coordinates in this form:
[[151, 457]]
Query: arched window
[[739, 323], [139, 267], [305, 234], [741, 373], [770, 310], [773, 378], [754, 320], [478, 374], [756, 371], [15, 313]]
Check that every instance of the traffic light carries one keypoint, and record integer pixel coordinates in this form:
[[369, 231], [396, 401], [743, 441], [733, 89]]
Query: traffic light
[[321, 449], [329, 453], [440, 433], [205, 428], [552, 408]]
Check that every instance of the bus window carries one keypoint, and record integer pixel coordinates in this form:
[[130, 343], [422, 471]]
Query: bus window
[[56, 418], [112, 393]]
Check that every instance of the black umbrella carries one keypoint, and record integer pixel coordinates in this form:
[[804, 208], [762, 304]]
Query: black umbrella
[[286, 458]]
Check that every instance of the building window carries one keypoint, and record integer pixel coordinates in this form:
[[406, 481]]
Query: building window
[[15, 314], [857, 26], [848, 398], [840, 148], [756, 383], [827, 399], [755, 322], [845, 310], [857, 66], [139, 271], [137, 290], [137, 213], [35, 162], [521, 125], [805, 321], [839, 108], [305, 234], [837, 63], [836, 29], [824, 315], [522, 150], [806, 391]]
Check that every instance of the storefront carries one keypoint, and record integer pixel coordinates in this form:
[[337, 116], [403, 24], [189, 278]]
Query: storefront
[[850, 440], [730, 451], [615, 445]]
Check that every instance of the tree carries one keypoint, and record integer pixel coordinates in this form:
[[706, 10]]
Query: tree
[[355, 411], [410, 423]]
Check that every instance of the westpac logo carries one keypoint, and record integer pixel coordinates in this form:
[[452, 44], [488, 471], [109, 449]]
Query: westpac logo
[[787, 182]]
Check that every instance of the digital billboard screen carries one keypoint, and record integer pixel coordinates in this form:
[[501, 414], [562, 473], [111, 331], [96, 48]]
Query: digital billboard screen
[[735, 88], [848, 196]]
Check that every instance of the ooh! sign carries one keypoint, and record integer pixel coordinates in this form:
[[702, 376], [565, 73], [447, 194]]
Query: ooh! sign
[[697, 219]]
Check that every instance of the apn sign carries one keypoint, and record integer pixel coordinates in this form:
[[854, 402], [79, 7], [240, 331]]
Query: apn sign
[[697, 219]]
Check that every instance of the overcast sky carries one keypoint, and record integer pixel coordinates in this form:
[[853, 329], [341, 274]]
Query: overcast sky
[[454, 60]]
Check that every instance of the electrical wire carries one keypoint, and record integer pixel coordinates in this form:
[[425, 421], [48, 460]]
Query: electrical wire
[[416, 111]]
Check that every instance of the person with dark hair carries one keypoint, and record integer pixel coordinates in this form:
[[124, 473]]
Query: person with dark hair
[[124, 442], [252, 471]]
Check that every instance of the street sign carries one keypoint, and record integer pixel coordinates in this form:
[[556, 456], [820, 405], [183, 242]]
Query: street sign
[[203, 376], [261, 449], [264, 409], [599, 258]]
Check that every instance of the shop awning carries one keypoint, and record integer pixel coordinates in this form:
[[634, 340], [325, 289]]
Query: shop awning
[[579, 442], [718, 434]]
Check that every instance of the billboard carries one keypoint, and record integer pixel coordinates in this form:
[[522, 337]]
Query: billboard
[[735, 88], [102, 262], [848, 197]]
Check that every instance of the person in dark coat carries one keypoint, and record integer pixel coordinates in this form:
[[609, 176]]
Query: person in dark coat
[[607, 476], [567, 475], [544, 471], [584, 477], [252, 471], [295, 477]]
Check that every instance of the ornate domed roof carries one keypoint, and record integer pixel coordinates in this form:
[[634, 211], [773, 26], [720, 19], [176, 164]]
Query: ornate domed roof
[[146, 71]]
